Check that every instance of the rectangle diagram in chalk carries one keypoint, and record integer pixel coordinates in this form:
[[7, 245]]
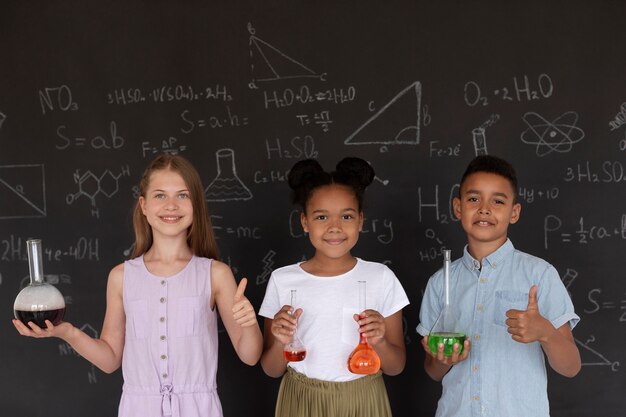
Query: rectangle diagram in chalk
[[22, 191]]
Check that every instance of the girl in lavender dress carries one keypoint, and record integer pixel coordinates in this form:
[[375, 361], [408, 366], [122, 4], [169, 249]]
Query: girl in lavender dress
[[161, 322]]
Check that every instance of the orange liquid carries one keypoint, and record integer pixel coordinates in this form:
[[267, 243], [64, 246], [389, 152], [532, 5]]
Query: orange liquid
[[296, 356], [363, 360]]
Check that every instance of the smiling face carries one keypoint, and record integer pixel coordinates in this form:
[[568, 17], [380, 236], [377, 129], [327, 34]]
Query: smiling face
[[486, 207], [166, 205], [333, 221]]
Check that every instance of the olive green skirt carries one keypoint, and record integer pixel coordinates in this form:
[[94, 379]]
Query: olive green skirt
[[300, 396]]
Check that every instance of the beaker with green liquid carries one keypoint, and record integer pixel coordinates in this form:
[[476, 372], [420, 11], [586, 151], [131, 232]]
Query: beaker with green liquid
[[446, 329]]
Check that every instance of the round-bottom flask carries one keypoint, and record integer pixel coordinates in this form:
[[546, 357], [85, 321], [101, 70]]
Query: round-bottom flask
[[39, 301]]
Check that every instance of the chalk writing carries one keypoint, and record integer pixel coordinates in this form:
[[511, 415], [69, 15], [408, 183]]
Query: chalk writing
[[303, 95], [521, 90], [268, 263], [609, 172], [238, 231], [226, 186], [91, 186], [528, 195], [583, 234], [611, 304], [84, 249], [213, 121], [168, 93], [168, 146], [321, 119], [299, 147], [112, 141], [433, 252], [57, 97]]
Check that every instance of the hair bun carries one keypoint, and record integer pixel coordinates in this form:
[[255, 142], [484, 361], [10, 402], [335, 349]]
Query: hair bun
[[357, 169], [303, 171]]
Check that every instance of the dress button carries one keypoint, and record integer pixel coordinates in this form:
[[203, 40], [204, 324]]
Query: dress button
[[163, 282], [163, 357], [162, 300], [164, 376], [162, 337], [162, 319]]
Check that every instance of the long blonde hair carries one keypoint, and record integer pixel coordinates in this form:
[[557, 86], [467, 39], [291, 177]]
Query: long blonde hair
[[200, 237]]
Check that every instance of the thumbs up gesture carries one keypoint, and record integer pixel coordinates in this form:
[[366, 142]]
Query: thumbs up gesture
[[528, 325], [243, 312]]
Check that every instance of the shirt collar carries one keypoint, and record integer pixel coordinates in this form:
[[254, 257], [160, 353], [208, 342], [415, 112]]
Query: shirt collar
[[493, 259]]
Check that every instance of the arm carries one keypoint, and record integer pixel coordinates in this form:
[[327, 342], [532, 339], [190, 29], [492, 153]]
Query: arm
[[277, 333], [105, 352], [385, 336], [529, 325], [236, 313]]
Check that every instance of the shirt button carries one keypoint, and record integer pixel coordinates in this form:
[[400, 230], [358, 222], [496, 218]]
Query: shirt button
[[479, 307], [162, 299], [162, 319], [483, 280], [163, 357], [162, 337], [475, 397], [475, 368], [164, 376], [477, 337], [495, 264]]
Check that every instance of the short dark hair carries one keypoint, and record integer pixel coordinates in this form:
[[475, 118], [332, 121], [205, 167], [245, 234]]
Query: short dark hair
[[308, 175], [493, 165]]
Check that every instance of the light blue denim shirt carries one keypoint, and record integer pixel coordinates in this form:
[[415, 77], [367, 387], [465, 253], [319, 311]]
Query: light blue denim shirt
[[501, 377]]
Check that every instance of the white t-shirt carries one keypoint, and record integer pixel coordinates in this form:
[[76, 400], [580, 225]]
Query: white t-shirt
[[326, 326]]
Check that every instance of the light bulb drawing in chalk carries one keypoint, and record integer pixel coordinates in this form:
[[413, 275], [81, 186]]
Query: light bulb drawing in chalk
[[226, 186], [396, 123]]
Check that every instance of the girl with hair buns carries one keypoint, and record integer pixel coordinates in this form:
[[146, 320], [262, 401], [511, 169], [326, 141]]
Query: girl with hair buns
[[326, 311], [161, 319]]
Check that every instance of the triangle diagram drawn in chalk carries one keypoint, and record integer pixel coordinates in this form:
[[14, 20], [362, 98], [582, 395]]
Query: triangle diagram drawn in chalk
[[22, 191], [397, 122], [271, 64]]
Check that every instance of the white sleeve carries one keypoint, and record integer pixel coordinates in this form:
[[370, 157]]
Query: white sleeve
[[395, 298], [271, 301]]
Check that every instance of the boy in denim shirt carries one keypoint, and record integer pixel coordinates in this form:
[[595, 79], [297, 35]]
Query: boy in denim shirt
[[512, 306]]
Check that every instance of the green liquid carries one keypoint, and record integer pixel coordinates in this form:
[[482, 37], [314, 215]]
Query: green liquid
[[448, 340]]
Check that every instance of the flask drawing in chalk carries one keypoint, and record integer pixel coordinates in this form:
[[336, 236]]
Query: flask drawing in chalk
[[446, 329], [226, 186], [39, 301]]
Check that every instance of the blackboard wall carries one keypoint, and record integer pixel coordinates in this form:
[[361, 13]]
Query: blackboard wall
[[91, 91]]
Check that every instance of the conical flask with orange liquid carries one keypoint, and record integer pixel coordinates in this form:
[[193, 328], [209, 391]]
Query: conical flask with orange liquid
[[363, 360]]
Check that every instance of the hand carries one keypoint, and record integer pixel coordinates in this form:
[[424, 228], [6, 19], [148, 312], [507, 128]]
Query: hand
[[448, 360], [528, 325], [243, 312], [372, 326], [284, 324], [32, 330]]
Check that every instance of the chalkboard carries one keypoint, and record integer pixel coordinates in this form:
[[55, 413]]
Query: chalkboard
[[92, 91]]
